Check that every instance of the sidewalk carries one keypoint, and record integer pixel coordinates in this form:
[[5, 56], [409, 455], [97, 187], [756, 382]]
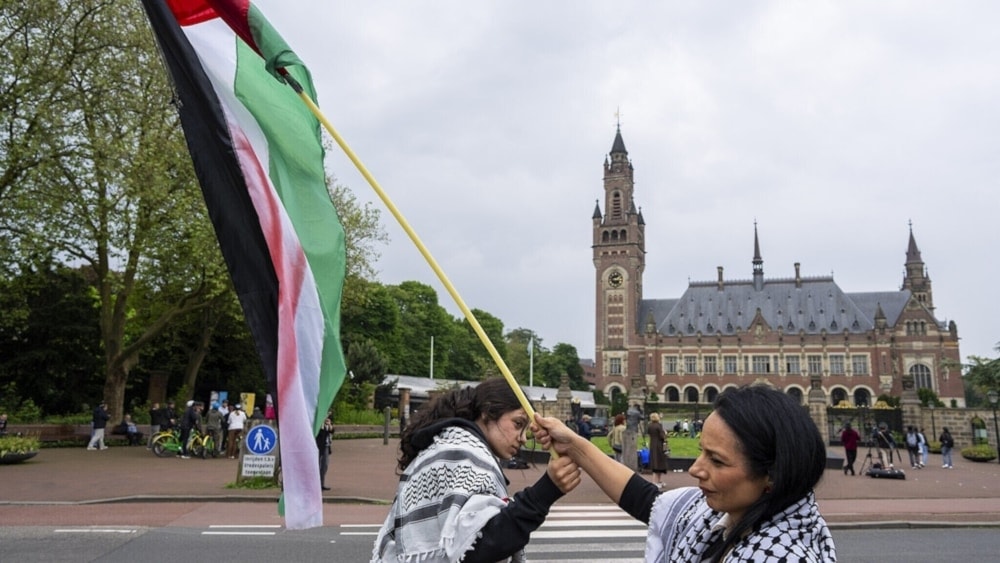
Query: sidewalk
[[364, 471]]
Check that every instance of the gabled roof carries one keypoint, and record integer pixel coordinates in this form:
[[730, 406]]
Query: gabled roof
[[817, 304]]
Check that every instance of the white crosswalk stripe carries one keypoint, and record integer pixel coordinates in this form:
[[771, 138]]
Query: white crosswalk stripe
[[602, 532], [572, 532]]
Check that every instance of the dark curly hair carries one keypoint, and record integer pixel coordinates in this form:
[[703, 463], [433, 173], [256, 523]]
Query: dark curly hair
[[491, 398]]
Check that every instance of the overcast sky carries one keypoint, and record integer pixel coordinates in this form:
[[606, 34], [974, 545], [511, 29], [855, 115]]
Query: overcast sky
[[831, 124]]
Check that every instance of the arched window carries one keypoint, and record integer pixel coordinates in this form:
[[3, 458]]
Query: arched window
[[862, 398], [836, 396], [795, 393], [624, 236], [921, 376], [673, 395], [691, 395], [710, 394], [605, 237]]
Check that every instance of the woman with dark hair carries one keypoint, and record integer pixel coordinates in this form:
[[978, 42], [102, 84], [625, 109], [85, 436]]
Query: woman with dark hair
[[761, 458], [452, 502]]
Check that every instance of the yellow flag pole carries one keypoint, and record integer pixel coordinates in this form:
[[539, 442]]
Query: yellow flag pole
[[423, 251]]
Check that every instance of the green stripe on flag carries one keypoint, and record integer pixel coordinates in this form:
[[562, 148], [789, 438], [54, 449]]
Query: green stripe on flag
[[296, 156]]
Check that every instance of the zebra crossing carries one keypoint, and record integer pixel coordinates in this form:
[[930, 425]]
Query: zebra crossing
[[572, 532], [588, 532]]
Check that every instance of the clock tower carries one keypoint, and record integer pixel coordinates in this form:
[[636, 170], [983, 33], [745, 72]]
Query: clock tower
[[619, 259]]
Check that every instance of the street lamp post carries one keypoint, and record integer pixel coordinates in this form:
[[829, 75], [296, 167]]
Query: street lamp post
[[933, 425], [993, 397], [543, 404]]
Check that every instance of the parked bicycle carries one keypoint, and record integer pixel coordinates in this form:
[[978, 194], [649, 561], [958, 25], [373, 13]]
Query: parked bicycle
[[203, 445], [168, 443]]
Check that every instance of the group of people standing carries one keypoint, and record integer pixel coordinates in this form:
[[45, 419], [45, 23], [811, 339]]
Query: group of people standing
[[917, 446], [225, 424]]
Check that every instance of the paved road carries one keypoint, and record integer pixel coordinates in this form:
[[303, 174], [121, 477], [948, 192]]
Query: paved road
[[574, 532], [104, 486]]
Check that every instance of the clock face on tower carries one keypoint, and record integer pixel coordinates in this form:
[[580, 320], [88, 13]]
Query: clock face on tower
[[616, 278]]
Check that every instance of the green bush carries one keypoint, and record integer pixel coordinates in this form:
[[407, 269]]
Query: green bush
[[347, 415], [981, 452], [18, 445]]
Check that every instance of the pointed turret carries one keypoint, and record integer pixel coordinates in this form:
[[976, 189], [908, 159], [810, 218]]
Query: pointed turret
[[916, 279], [758, 262], [618, 147]]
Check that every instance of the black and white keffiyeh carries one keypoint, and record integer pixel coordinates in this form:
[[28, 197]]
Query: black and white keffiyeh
[[682, 526], [445, 497]]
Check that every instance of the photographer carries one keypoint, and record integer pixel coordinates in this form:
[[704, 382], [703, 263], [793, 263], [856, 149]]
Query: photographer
[[885, 444]]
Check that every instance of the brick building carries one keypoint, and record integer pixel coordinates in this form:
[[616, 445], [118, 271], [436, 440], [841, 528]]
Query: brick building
[[734, 331]]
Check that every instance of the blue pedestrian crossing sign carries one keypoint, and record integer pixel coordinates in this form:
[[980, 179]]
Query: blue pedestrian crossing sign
[[261, 439]]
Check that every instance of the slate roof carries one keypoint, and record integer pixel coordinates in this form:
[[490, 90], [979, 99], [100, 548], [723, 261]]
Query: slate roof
[[816, 305]]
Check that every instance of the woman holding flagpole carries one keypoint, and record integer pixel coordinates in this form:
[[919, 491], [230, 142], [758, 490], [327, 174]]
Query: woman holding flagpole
[[761, 456], [452, 502]]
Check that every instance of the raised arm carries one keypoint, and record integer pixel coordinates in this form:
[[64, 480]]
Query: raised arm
[[609, 475]]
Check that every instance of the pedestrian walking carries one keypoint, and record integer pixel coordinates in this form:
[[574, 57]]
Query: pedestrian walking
[[99, 422]]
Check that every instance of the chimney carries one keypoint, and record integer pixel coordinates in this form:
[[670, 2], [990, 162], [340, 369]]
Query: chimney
[[720, 277], [798, 275]]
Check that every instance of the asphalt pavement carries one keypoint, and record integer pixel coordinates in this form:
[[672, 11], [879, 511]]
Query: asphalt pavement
[[363, 471]]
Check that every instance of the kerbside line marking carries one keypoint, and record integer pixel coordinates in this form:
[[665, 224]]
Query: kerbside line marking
[[373, 529], [243, 530], [94, 531]]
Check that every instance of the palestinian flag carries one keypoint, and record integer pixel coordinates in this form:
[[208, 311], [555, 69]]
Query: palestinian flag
[[259, 158]]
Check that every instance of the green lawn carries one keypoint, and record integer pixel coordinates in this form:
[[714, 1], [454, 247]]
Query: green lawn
[[679, 447]]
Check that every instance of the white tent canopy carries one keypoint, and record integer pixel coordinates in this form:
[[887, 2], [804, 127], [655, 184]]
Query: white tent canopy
[[419, 387]]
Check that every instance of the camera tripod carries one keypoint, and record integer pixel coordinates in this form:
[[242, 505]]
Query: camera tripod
[[867, 464]]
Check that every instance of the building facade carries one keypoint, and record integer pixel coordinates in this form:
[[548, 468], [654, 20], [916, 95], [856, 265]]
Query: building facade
[[786, 331]]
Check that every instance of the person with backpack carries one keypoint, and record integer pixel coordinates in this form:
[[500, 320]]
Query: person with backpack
[[913, 447], [947, 443]]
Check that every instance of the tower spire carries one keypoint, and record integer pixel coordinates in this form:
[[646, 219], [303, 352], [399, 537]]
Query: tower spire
[[916, 279], [758, 262]]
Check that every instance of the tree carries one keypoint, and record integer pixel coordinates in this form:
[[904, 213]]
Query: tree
[[50, 346], [518, 358], [981, 376], [562, 359], [113, 190], [363, 230], [407, 349], [468, 357]]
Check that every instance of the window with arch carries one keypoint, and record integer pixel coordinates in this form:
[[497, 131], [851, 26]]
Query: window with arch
[[605, 236], [795, 393], [691, 395], [862, 398], [836, 396], [673, 395], [624, 236], [921, 376], [710, 394]]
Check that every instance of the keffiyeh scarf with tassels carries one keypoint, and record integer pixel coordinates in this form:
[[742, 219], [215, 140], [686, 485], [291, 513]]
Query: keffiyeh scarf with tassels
[[445, 497], [682, 526]]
